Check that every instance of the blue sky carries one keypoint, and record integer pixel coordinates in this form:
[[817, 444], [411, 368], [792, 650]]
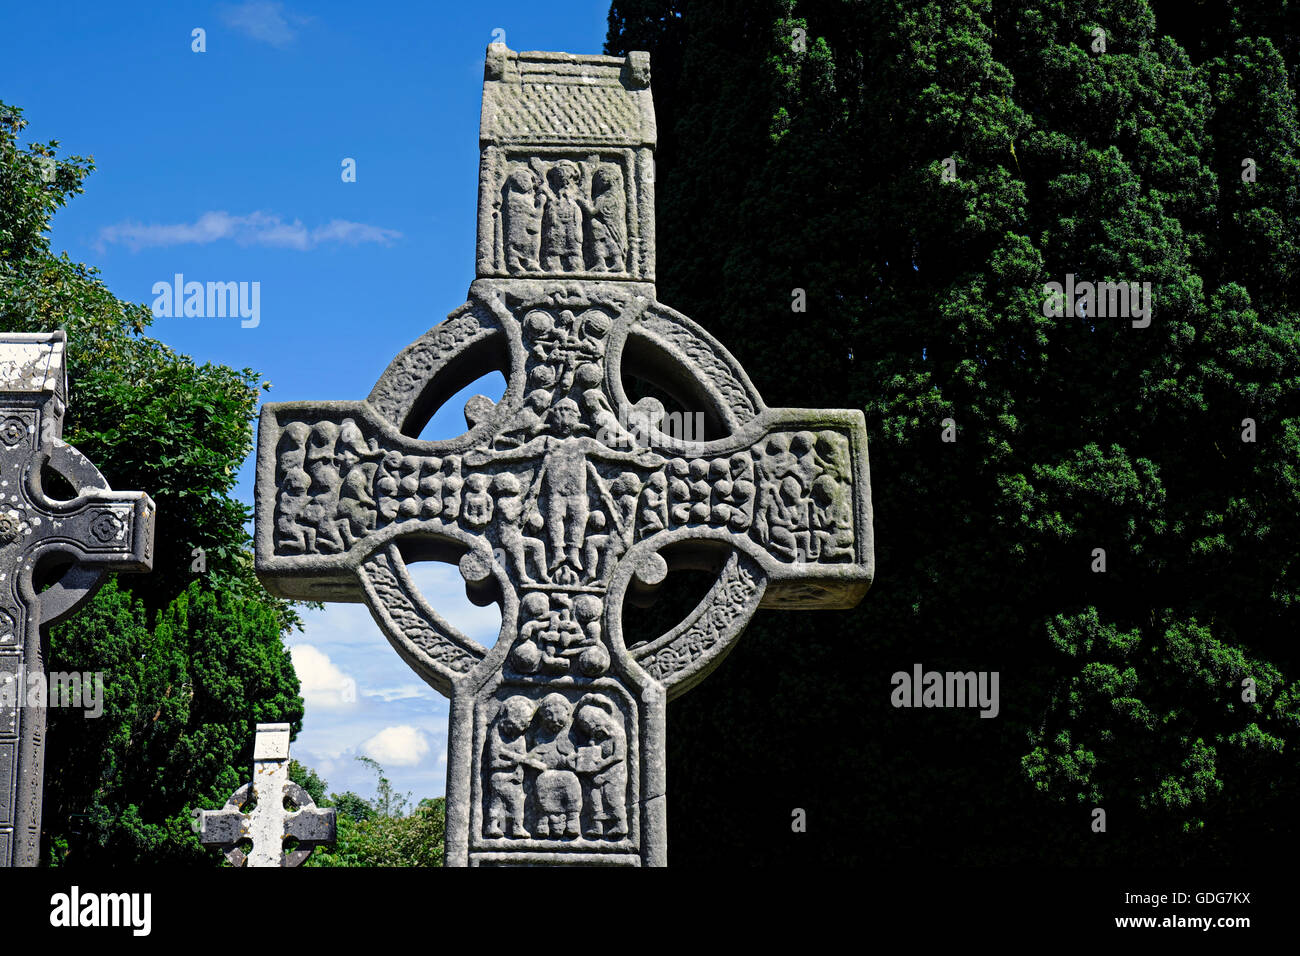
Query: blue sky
[[225, 166]]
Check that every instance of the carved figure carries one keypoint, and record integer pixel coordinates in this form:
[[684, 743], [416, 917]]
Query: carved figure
[[653, 515], [507, 755], [564, 480], [589, 379], [557, 790], [356, 505], [534, 615], [528, 422], [477, 503], [522, 210], [625, 489], [773, 520], [562, 218], [510, 528], [290, 531], [832, 521], [595, 545], [324, 489], [593, 660], [608, 220], [602, 762]]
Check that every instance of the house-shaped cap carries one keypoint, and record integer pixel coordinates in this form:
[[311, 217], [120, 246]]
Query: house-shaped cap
[[558, 98], [33, 363]]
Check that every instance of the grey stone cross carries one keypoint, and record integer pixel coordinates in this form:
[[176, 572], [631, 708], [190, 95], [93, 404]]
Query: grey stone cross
[[53, 556], [268, 823], [565, 500]]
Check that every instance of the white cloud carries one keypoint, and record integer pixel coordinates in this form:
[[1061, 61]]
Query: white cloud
[[340, 736], [400, 746], [352, 233], [265, 21], [323, 684], [255, 229], [403, 692]]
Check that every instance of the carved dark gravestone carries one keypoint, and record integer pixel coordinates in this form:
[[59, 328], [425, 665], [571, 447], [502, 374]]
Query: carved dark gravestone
[[565, 500], [269, 823], [53, 556]]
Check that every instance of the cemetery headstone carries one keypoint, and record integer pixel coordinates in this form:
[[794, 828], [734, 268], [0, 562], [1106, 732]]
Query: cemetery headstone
[[281, 810]]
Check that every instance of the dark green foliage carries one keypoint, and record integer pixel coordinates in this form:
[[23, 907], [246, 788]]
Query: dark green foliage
[[181, 703], [821, 170], [191, 661]]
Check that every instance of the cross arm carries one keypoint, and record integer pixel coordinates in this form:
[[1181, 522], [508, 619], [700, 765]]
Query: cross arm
[[336, 486], [110, 530], [791, 490], [310, 537], [223, 828], [831, 523], [312, 825]]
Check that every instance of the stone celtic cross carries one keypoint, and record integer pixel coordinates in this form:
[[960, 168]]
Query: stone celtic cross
[[269, 823], [565, 500], [53, 556]]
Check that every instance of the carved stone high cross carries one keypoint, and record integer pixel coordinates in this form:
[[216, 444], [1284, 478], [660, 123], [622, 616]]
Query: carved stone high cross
[[565, 498], [68, 545], [269, 823]]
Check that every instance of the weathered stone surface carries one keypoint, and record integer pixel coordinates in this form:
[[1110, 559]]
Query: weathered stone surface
[[97, 531], [268, 824], [565, 500]]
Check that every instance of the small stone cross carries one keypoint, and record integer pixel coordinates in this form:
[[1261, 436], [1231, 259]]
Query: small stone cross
[[566, 501], [53, 556], [268, 824]]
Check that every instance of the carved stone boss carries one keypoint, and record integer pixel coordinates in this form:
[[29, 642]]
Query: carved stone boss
[[72, 544], [267, 824], [565, 500]]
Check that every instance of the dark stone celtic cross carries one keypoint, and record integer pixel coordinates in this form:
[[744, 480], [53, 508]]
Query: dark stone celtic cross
[[53, 555], [565, 499]]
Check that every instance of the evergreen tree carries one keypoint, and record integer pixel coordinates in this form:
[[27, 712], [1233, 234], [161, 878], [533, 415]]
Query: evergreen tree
[[813, 145]]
